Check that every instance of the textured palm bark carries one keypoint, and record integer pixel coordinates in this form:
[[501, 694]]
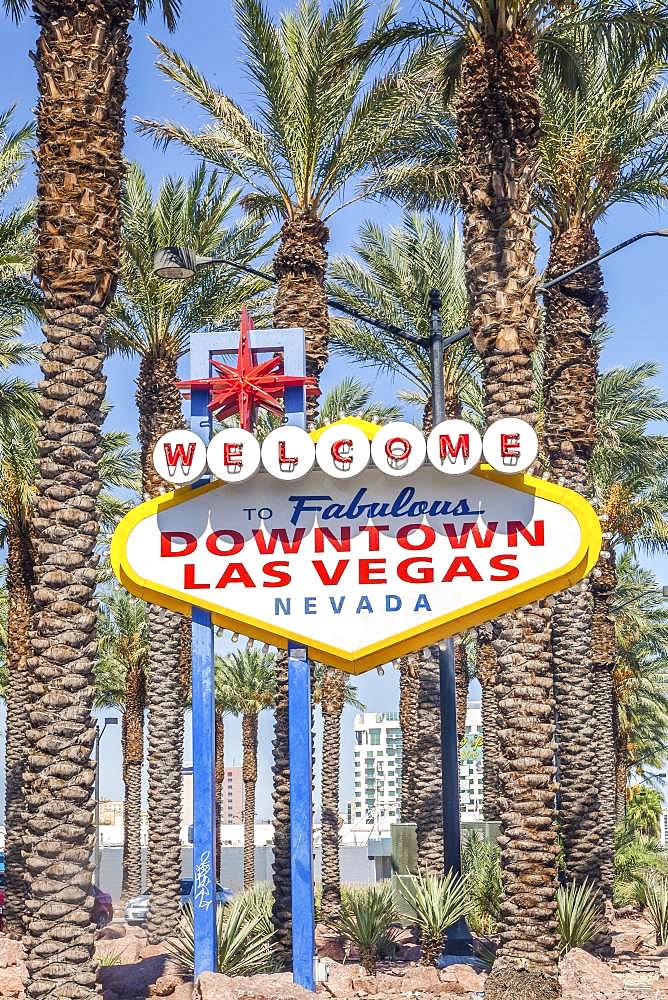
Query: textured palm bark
[[282, 906], [249, 773], [20, 583], [409, 688], [333, 697], [602, 585], [428, 785], [301, 300], [133, 757], [486, 669], [220, 782], [159, 406], [573, 311], [461, 686], [81, 62], [498, 128]]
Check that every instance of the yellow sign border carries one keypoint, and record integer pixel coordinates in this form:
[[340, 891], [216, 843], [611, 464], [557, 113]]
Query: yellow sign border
[[364, 659]]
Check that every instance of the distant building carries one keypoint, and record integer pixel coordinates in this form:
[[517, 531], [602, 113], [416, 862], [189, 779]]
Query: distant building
[[378, 756], [111, 813], [470, 764], [232, 797]]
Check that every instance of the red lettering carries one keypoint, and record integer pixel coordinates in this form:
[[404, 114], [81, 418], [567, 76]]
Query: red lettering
[[341, 544], [470, 528], [167, 549], [500, 563], [177, 454], [428, 537], [267, 546], [235, 573], [423, 570], [537, 539], [374, 534], [330, 579], [448, 450], [283, 458], [398, 449], [462, 566], [273, 570], [338, 453], [236, 538], [369, 570], [189, 582], [510, 445]]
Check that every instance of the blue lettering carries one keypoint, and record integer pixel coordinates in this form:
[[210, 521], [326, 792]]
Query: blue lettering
[[392, 602], [422, 604], [336, 608], [282, 607], [309, 606], [364, 605], [302, 506]]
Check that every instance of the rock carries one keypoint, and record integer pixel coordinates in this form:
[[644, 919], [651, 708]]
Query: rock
[[340, 980], [275, 986], [165, 986], [125, 948], [112, 932], [583, 975], [408, 953], [110, 995], [11, 983], [134, 980], [462, 979], [422, 977], [329, 943], [11, 952]]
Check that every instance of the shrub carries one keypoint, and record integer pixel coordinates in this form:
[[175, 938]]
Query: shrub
[[637, 858], [578, 915], [655, 901], [244, 935], [366, 920], [438, 903], [481, 867], [109, 958]]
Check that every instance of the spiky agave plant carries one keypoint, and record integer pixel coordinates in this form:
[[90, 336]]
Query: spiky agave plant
[[366, 919], [578, 915], [654, 896], [438, 903]]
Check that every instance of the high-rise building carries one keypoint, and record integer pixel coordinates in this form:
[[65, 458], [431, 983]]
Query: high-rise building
[[232, 797], [378, 753], [378, 757]]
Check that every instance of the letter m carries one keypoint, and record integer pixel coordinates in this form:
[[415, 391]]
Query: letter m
[[176, 455], [451, 451]]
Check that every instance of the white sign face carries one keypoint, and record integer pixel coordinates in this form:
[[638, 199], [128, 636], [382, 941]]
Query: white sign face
[[342, 451], [233, 455], [398, 449], [454, 447], [510, 445], [358, 570], [179, 457], [288, 453]]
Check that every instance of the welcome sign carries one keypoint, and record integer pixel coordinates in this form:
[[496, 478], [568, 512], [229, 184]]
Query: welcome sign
[[358, 570]]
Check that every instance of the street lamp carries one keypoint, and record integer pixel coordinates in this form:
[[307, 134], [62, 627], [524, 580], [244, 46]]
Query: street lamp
[[110, 720]]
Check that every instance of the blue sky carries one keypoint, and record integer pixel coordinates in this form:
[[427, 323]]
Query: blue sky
[[635, 279]]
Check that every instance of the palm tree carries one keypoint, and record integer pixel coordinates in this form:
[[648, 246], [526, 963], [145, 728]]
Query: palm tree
[[121, 679], [389, 280], [249, 678], [643, 816], [601, 146], [81, 58], [316, 130], [155, 320]]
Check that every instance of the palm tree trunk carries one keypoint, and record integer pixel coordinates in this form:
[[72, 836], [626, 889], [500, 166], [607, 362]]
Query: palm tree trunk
[[20, 583], [409, 688], [602, 585], [461, 686], [220, 782], [486, 670], [282, 907], [159, 406], [81, 63], [498, 126], [133, 757], [333, 695], [249, 739], [301, 301], [573, 311], [428, 785]]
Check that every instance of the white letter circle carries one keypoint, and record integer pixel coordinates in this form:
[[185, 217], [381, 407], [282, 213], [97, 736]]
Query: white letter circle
[[233, 455], [342, 451], [179, 457], [398, 449], [288, 453], [510, 445], [454, 447]]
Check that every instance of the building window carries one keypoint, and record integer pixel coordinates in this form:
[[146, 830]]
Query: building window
[[374, 737]]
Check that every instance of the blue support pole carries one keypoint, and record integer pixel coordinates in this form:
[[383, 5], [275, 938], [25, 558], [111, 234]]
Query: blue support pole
[[204, 752], [301, 817]]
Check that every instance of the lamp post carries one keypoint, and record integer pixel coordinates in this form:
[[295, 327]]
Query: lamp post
[[109, 721]]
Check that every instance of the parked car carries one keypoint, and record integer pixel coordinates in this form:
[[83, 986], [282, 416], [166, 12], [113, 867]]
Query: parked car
[[103, 909], [136, 910]]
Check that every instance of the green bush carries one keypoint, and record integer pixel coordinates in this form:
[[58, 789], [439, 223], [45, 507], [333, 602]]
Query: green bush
[[366, 920], [481, 867], [655, 900], [637, 858], [438, 903], [578, 915], [244, 932]]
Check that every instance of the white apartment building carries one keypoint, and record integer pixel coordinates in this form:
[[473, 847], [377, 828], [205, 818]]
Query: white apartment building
[[378, 757], [378, 746]]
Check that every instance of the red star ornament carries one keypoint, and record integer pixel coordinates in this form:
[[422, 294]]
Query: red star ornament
[[241, 389]]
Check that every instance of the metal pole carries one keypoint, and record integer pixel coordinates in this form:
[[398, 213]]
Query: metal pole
[[594, 260], [97, 802], [458, 938]]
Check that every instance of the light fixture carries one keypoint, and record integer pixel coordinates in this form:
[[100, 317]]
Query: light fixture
[[235, 637], [111, 721], [176, 263]]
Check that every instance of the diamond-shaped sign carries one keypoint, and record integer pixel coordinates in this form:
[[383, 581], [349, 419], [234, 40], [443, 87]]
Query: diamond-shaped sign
[[359, 570]]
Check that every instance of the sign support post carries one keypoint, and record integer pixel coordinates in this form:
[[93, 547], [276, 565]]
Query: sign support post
[[205, 873]]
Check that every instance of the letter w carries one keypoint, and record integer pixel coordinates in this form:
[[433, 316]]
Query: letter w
[[471, 528], [177, 454], [267, 546]]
